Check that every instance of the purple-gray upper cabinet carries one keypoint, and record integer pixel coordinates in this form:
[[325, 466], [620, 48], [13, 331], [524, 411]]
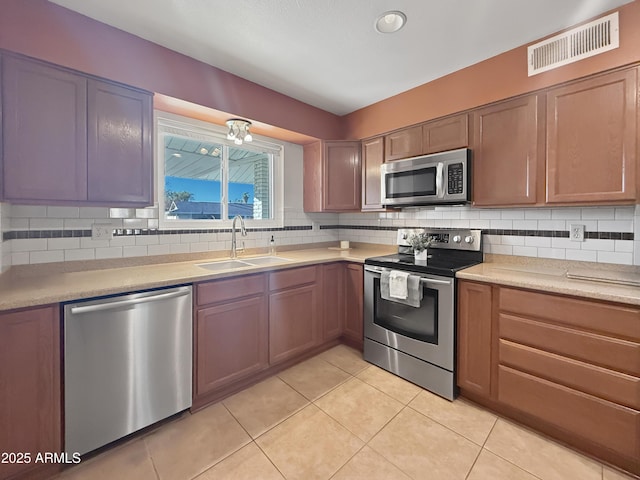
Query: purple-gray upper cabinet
[[120, 166], [44, 156], [73, 139]]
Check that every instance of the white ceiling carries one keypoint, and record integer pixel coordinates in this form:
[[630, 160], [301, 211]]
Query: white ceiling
[[326, 52]]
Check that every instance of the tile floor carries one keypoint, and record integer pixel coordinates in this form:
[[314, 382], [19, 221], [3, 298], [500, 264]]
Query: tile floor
[[337, 417]]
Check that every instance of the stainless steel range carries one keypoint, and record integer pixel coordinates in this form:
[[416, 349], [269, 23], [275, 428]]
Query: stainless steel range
[[411, 332]]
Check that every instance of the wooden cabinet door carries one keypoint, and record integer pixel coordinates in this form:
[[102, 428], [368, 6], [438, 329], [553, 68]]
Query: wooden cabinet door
[[231, 342], [120, 162], [446, 134], [508, 154], [294, 322], [353, 296], [592, 139], [403, 144], [342, 176], [333, 295], [372, 159], [30, 400], [474, 337], [44, 132]]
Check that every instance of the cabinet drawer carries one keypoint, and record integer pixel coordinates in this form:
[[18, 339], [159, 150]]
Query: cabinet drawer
[[602, 317], [620, 355], [613, 426], [292, 277], [229, 289], [600, 382]]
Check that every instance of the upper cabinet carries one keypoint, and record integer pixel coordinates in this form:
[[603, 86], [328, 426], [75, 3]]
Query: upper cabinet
[[403, 144], [446, 134], [72, 139], [508, 152], [592, 139], [372, 159], [332, 176]]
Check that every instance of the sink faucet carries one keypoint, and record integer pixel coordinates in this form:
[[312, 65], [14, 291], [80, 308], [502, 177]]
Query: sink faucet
[[243, 232]]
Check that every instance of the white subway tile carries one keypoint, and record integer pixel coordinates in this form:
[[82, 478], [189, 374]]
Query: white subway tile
[[563, 242], [512, 240], [525, 225], [624, 213], [459, 223], [201, 247], [179, 248], [28, 244], [470, 214], [623, 245], [146, 239], [78, 223], [615, 226], [63, 212], [615, 257], [28, 211], [525, 251], [502, 249], [94, 212], [153, 223], [45, 223], [148, 212], [552, 253], [123, 241], [636, 253], [512, 214], [537, 214], [46, 256], [88, 242], [492, 239], [168, 239], [217, 246], [599, 213], [566, 213], [451, 214], [598, 244], [502, 224], [19, 258], [195, 237], [109, 252], [136, 251], [79, 254], [582, 255], [159, 249], [62, 243], [544, 242], [212, 237], [551, 225], [490, 214], [122, 212], [18, 224]]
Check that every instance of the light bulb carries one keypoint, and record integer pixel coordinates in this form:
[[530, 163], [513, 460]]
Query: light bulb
[[248, 138]]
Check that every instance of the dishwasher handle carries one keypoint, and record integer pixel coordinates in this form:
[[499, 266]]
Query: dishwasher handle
[[123, 303]]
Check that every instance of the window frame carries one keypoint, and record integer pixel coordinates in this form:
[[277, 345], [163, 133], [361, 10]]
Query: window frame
[[169, 123]]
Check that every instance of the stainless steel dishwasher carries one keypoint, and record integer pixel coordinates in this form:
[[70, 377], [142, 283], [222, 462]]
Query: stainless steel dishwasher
[[127, 364]]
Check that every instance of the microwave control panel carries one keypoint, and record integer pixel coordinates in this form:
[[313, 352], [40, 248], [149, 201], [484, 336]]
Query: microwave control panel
[[455, 178]]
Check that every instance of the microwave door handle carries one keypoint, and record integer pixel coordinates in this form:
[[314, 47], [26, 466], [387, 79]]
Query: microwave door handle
[[440, 180]]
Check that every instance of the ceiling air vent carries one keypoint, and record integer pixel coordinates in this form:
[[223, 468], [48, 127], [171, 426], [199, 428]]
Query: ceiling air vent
[[585, 41]]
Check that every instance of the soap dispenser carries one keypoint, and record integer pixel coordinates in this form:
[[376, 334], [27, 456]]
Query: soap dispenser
[[272, 246]]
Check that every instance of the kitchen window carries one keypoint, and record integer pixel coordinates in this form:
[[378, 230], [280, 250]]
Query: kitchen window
[[204, 180]]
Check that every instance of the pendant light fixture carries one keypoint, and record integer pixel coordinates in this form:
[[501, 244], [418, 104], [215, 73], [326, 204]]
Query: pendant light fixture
[[239, 130]]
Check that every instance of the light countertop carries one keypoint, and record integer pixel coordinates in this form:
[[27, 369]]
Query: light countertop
[[551, 276], [42, 284]]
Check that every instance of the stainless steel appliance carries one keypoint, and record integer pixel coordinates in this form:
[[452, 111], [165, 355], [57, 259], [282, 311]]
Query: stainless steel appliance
[[127, 364], [440, 178], [418, 342]]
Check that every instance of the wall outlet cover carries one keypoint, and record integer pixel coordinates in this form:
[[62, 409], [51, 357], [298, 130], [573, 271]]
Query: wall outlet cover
[[576, 232], [101, 231]]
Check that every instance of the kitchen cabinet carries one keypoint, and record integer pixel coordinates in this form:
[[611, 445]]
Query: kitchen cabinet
[[372, 159], [30, 398], [295, 315], [354, 301], [474, 337], [333, 300], [332, 176], [231, 331], [445, 134], [508, 152], [592, 139], [72, 139], [403, 143]]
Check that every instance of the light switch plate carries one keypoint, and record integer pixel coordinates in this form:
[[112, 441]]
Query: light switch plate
[[576, 232], [101, 231]]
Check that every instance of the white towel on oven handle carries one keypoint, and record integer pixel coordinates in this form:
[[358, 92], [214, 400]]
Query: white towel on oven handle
[[414, 288], [398, 284]]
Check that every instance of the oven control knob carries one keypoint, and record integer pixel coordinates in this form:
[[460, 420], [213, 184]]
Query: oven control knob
[[468, 239], [457, 239]]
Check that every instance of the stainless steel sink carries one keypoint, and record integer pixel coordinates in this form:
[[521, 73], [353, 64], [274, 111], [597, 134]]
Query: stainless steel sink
[[224, 265], [266, 260]]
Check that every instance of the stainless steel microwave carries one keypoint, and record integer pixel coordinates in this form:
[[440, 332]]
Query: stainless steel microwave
[[440, 178]]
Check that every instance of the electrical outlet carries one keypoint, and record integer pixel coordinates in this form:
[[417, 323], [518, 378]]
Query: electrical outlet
[[101, 231], [576, 232]]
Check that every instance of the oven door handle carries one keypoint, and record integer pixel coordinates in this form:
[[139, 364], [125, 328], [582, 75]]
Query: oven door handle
[[380, 270]]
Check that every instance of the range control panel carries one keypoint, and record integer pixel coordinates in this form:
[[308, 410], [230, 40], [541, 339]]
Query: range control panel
[[450, 238]]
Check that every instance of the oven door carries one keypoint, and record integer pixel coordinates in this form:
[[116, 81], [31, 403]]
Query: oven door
[[425, 332]]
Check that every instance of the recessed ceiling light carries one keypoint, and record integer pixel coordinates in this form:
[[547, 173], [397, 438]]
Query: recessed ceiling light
[[390, 22]]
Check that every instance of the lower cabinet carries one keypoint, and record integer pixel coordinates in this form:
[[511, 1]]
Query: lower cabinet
[[231, 331], [333, 308], [353, 300], [294, 312], [30, 399], [569, 367]]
